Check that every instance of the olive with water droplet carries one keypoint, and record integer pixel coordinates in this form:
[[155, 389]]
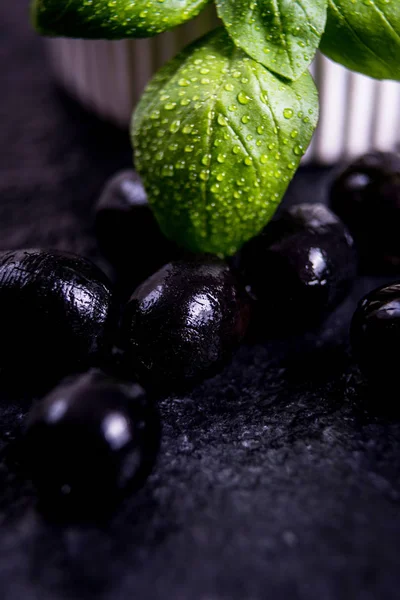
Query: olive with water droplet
[[183, 324], [127, 231], [366, 195], [90, 441], [299, 268]]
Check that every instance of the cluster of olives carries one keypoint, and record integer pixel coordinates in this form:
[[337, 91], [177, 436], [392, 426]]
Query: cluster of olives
[[97, 433]]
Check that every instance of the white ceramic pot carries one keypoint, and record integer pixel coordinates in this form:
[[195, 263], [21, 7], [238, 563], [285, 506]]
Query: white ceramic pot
[[357, 113]]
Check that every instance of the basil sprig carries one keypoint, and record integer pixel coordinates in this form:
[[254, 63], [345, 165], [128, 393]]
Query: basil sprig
[[221, 129]]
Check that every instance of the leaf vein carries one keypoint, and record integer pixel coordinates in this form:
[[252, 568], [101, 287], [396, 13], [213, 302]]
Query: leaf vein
[[370, 50]]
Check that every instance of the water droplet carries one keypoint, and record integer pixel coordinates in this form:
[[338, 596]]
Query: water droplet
[[189, 148], [206, 160], [167, 171], [170, 106], [183, 82], [294, 134], [245, 119], [236, 149], [298, 150], [187, 129], [204, 71], [221, 158], [229, 87], [288, 113], [260, 129], [221, 120], [263, 159], [174, 127], [248, 161], [243, 98]]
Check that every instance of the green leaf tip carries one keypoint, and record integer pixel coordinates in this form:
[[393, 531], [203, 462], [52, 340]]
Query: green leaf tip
[[364, 36], [283, 35], [116, 19]]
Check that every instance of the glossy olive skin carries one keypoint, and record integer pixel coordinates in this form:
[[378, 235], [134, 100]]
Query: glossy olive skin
[[316, 218], [89, 442], [183, 324], [127, 232], [55, 315], [299, 268], [366, 195], [375, 334]]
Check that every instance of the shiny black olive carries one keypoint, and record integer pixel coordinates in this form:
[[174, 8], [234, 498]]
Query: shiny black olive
[[127, 232], [55, 315], [91, 440], [375, 334], [299, 268], [366, 195], [183, 324]]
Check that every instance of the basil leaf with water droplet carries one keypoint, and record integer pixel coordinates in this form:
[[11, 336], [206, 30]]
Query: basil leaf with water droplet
[[283, 35], [364, 36], [111, 19], [218, 137]]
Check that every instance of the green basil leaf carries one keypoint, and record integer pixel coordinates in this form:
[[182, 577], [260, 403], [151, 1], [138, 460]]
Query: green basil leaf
[[364, 36], [283, 35], [218, 138], [111, 19]]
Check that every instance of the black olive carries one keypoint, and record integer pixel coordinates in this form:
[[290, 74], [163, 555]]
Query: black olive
[[127, 231], [366, 195], [91, 440], [375, 334], [55, 315], [299, 268], [183, 324]]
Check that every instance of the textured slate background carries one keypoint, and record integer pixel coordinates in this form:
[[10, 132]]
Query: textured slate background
[[275, 481]]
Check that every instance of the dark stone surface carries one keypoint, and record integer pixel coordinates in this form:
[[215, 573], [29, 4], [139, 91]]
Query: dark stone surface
[[274, 481]]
